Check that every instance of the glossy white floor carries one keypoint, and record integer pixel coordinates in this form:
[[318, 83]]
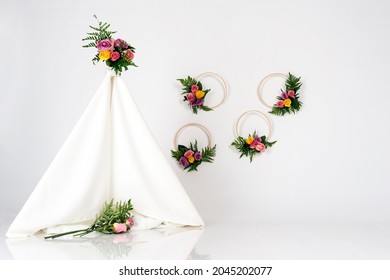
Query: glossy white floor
[[216, 241]]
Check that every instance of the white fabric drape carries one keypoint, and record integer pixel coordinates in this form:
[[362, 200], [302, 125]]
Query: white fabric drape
[[109, 154]]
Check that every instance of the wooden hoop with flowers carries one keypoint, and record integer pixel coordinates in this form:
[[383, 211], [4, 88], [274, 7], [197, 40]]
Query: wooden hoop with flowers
[[189, 158], [195, 94], [253, 144], [117, 53], [288, 101]]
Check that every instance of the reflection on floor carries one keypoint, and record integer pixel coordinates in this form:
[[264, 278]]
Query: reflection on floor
[[216, 241], [172, 243]]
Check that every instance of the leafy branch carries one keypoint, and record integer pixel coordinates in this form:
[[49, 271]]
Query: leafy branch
[[209, 153], [111, 213], [99, 33]]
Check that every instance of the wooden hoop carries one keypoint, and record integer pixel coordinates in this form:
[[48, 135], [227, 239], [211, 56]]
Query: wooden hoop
[[219, 79], [202, 127], [264, 116], [260, 87]]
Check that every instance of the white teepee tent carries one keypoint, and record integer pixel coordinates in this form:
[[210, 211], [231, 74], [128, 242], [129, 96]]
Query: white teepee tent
[[109, 154]]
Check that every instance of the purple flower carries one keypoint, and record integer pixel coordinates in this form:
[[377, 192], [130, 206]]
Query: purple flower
[[197, 102], [284, 95], [119, 42], [198, 156], [104, 45], [257, 139], [183, 162]]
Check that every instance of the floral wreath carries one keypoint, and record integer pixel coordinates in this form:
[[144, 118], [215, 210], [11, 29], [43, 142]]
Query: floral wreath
[[117, 53], [195, 94], [189, 158], [253, 144], [288, 101]]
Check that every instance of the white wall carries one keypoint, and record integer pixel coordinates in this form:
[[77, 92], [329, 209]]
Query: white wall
[[331, 161]]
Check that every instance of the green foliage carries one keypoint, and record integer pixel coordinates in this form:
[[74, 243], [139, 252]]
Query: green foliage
[[111, 213], [99, 33], [244, 148], [187, 83], [292, 83], [200, 107], [120, 64], [208, 154]]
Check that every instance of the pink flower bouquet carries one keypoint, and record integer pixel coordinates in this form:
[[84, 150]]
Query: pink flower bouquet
[[113, 219], [190, 158], [288, 101], [117, 53], [252, 145], [194, 94]]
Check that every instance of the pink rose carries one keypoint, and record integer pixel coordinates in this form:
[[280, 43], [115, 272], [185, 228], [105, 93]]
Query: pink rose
[[118, 228], [191, 96], [291, 93], [260, 147], [194, 88], [119, 42], [280, 104], [130, 222], [115, 56], [105, 45], [128, 55], [255, 142], [188, 154]]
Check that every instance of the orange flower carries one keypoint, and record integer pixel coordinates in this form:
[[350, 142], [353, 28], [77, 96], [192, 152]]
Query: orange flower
[[191, 159], [249, 140], [199, 94], [104, 55], [287, 102]]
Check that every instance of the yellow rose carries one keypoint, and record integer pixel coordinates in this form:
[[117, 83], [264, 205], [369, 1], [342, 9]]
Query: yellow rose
[[249, 140], [199, 94], [287, 102], [104, 55], [191, 159]]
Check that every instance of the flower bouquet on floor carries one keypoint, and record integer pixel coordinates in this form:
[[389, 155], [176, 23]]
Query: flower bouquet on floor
[[114, 218]]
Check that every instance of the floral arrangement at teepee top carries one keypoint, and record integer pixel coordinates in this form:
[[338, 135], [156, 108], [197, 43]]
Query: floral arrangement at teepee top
[[117, 53]]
